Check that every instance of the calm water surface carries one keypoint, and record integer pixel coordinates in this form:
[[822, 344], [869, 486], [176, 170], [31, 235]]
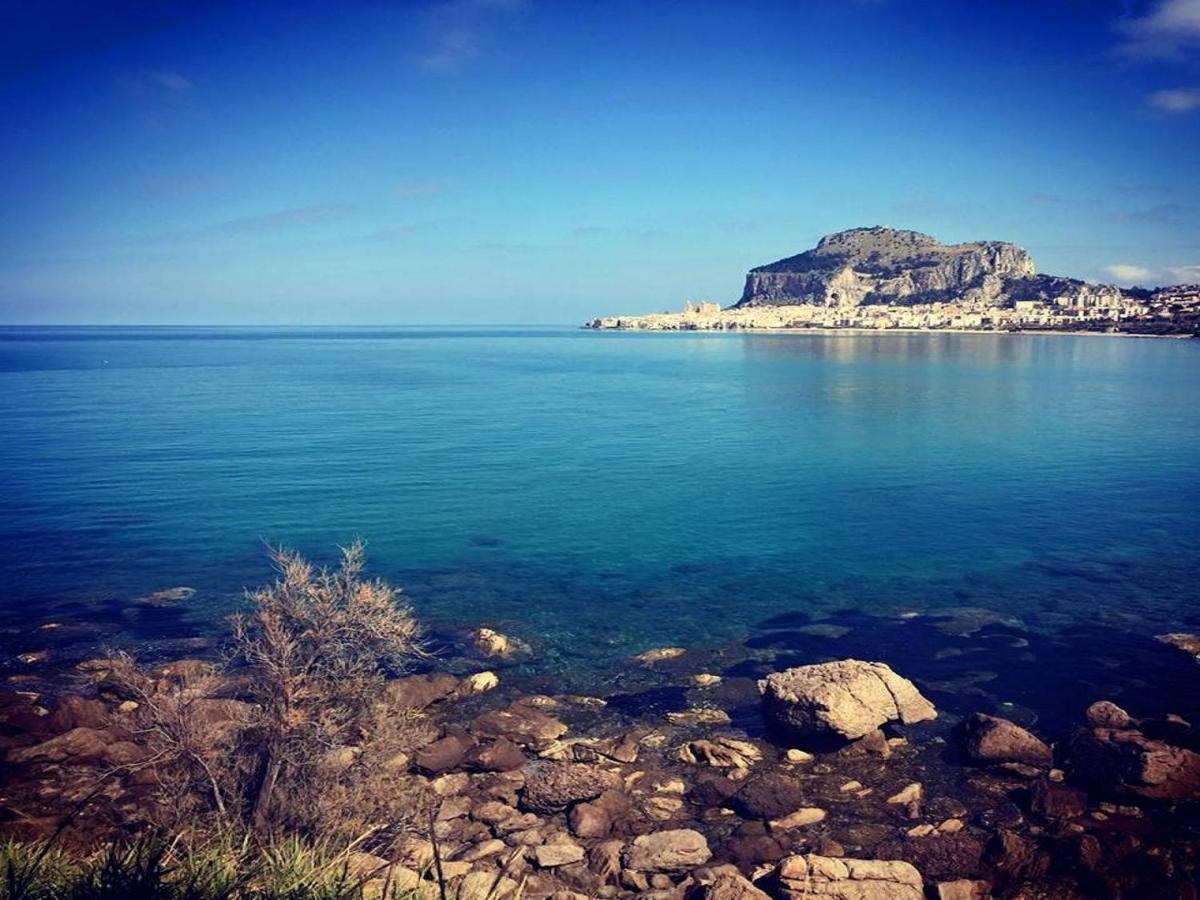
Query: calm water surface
[[600, 493]]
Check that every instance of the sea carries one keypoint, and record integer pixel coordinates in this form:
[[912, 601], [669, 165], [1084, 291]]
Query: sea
[[1013, 516]]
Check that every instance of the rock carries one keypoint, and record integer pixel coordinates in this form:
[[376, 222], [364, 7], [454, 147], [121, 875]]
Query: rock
[[554, 786], [963, 889], [34, 657], [889, 266], [770, 796], [520, 724], [810, 876], [486, 886], [482, 850], [728, 885], [711, 789], [420, 691], [910, 798], [660, 654], [492, 643], [443, 754], [663, 807], [449, 785], [806, 815], [706, 679], [166, 597], [82, 745], [1126, 761], [1103, 714], [78, 712], [479, 683], [596, 819], [699, 716], [720, 752], [797, 757], [623, 749], [560, 853], [847, 699], [1188, 643], [1054, 800], [500, 755], [676, 850], [990, 739]]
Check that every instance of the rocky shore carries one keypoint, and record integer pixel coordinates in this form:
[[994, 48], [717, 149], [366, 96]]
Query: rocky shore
[[834, 778]]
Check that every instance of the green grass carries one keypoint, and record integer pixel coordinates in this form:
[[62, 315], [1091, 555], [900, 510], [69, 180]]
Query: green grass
[[290, 869]]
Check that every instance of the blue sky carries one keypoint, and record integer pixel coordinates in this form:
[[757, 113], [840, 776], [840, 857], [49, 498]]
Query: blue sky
[[544, 161]]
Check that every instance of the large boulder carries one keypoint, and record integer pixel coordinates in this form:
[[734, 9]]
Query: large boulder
[[847, 699], [810, 876], [990, 739], [677, 850], [1126, 761]]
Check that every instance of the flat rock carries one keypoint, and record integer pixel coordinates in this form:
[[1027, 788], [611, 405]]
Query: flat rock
[[808, 876], [847, 699], [676, 850]]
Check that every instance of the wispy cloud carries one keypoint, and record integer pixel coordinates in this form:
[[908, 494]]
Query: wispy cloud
[[151, 82], [407, 189], [1168, 31], [280, 220], [1159, 214], [1176, 100], [1185, 274], [460, 30], [1127, 273]]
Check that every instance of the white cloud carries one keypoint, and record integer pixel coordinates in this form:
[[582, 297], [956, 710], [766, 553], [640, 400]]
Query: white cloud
[[1170, 29], [459, 30], [1127, 273], [1185, 274], [1177, 100]]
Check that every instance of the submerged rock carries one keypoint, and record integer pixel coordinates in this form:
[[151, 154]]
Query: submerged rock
[[990, 739], [809, 876], [848, 699], [554, 786], [1126, 761], [668, 851], [659, 654], [1188, 643]]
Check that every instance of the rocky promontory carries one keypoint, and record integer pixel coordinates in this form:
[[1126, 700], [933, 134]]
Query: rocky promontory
[[882, 278]]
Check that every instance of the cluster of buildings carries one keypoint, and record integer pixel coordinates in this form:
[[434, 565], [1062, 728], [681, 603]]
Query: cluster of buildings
[[1089, 307]]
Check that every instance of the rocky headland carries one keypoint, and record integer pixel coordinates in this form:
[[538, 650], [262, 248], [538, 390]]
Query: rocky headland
[[884, 278]]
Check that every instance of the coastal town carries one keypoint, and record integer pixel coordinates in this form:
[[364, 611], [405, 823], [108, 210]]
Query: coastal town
[[1173, 310]]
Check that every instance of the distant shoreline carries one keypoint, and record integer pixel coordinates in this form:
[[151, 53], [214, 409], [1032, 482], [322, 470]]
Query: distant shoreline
[[885, 331]]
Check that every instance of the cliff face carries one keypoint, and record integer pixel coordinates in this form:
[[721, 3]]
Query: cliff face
[[886, 266]]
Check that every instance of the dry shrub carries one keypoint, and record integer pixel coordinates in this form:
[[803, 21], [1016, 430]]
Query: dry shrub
[[319, 644], [310, 744]]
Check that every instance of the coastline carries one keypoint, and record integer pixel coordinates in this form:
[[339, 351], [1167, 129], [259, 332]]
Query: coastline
[[886, 331], [677, 778]]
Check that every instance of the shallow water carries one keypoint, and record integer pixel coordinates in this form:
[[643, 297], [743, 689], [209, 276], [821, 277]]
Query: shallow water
[[600, 493]]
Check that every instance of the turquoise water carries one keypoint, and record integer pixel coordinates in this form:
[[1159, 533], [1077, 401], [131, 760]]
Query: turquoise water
[[600, 493]]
